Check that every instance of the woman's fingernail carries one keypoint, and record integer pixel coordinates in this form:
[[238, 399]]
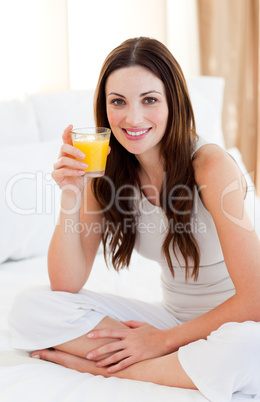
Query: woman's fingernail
[[36, 356], [90, 335], [89, 356], [81, 155]]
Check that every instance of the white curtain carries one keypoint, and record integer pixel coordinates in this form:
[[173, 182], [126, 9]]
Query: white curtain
[[234, 53]]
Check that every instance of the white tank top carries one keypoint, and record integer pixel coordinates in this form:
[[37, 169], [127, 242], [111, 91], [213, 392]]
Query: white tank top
[[185, 299]]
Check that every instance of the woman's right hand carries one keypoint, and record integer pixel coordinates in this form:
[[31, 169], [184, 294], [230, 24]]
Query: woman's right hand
[[68, 172]]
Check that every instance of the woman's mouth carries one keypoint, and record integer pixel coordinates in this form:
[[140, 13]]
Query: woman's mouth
[[135, 134]]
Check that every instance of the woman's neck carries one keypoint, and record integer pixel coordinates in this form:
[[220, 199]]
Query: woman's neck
[[151, 176]]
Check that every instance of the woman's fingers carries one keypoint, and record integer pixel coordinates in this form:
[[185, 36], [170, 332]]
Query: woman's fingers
[[67, 360], [67, 149], [66, 161], [55, 356], [61, 174], [108, 333], [105, 349], [67, 166], [66, 136], [121, 365], [115, 358], [134, 324]]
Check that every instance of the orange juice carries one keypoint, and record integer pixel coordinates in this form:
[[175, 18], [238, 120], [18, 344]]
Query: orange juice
[[95, 150]]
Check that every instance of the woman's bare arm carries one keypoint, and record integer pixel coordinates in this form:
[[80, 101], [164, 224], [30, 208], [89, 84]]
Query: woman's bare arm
[[74, 244]]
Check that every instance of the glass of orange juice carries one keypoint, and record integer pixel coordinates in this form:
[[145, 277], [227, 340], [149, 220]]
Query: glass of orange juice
[[93, 142]]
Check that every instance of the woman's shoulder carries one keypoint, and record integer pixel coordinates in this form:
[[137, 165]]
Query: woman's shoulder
[[216, 174], [209, 156], [210, 160], [207, 152]]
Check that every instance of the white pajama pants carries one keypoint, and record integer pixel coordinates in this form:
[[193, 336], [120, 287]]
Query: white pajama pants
[[227, 362]]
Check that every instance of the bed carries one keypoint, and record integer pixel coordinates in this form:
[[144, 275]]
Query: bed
[[29, 209]]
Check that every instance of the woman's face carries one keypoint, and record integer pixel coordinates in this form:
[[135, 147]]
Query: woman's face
[[137, 109]]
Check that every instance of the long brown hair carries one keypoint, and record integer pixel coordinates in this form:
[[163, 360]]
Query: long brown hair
[[122, 166]]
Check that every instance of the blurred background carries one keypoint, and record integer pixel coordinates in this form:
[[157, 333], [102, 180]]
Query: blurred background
[[54, 45]]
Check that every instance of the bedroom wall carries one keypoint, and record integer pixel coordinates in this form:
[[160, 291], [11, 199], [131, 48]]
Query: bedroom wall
[[93, 34]]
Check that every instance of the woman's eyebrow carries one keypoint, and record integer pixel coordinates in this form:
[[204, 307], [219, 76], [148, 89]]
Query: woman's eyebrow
[[116, 94], [149, 92], [142, 94]]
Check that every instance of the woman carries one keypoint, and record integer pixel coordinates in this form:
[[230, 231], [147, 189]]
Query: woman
[[206, 334]]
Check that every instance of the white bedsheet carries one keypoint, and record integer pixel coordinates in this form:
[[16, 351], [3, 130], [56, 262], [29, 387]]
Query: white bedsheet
[[30, 380]]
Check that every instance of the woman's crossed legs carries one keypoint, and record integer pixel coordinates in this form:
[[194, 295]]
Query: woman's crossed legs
[[164, 370]]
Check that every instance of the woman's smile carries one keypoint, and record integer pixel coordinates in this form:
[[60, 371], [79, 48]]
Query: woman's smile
[[134, 134]]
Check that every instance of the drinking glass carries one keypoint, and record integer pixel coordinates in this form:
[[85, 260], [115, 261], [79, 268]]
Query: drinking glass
[[93, 142]]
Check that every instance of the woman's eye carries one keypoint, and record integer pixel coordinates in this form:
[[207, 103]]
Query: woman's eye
[[150, 100], [118, 102]]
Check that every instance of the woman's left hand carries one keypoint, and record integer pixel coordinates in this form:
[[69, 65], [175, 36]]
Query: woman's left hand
[[140, 341]]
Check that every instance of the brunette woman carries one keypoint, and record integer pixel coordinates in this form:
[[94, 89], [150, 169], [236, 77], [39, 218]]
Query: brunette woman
[[206, 333]]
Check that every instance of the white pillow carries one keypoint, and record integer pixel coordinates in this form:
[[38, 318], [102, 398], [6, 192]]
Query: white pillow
[[207, 95], [29, 201], [55, 111], [18, 123]]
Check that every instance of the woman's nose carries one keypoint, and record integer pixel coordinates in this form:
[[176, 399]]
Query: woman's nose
[[134, 115]]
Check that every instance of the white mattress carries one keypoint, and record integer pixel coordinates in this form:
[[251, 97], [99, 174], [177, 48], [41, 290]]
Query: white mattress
[[30, 380]]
